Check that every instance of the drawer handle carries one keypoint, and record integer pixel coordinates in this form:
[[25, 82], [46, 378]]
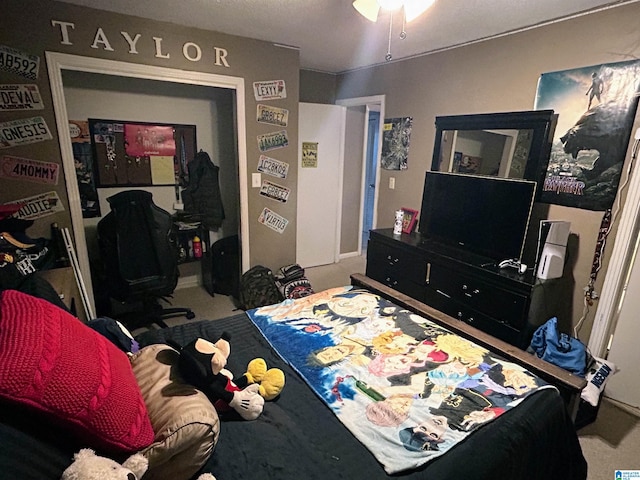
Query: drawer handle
[[442, 293], [391, 283], [428, 277], [392, 260]]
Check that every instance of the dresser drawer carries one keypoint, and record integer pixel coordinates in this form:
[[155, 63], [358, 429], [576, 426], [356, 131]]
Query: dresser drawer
[[505, 306], [460, 311], [399, 265]]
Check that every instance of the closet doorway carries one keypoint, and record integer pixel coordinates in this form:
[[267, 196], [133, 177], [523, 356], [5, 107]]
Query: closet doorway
[[64, 67]]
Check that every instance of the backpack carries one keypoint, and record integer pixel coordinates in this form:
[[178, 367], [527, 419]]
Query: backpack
[[258, 288], [292, 283]]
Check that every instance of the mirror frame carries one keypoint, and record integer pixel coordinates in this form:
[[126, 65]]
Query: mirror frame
[[542, 122]]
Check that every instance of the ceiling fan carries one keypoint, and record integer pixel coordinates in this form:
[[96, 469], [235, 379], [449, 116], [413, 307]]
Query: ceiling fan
[[412, 8]]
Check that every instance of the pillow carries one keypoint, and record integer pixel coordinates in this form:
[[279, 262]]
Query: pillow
[[597, 377], [185, 421], [52, 363]]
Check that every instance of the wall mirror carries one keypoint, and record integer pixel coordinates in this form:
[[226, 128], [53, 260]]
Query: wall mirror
[[509, 145]]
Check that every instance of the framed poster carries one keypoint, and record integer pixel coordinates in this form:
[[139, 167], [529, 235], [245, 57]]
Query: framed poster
[[596, 107], [141, 153], [409, 219], [395, 143]]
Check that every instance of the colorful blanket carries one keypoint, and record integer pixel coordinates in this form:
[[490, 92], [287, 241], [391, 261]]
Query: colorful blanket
[[406, 388]]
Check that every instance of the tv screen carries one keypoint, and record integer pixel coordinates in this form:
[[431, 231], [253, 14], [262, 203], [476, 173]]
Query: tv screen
[[487, 216]]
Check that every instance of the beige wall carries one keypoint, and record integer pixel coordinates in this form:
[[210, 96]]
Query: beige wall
[[352, 179], [318, 87], [27, 26], [497, 75]]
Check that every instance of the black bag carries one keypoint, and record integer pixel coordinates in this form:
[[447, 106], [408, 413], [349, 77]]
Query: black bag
[[225, 266], [258, 288], [292, 283]]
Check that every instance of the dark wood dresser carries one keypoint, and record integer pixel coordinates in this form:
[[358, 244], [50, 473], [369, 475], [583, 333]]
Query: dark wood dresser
[[470, 288]]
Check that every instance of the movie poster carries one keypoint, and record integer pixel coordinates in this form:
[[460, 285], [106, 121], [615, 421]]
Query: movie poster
[[596, 107], [395, 143]]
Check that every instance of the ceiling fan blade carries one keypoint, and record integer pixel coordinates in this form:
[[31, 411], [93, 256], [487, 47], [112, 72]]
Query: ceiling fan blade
[[367, 8], [415, 8]]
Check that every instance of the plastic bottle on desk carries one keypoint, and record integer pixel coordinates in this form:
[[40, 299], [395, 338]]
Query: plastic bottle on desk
[[197, 247]]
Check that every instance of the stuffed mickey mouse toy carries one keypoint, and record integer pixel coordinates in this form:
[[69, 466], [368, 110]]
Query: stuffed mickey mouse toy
[[202, 365]]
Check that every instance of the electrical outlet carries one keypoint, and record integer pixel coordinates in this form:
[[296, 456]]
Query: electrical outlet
[[256, 180], [392, 183]]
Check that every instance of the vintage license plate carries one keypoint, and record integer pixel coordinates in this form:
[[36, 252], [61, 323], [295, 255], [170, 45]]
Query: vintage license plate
[[271, 141], [274, 191], [272, 115], [271, 219], [38, 206], [23, 132], [269, 90], [15, 61], [20, 97], [29, 170], [273, 167]]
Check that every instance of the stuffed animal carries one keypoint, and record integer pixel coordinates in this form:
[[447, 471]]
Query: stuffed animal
[[89, 466], [202, 365]]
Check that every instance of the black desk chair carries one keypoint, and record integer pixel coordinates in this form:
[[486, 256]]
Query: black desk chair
[[139, 253]]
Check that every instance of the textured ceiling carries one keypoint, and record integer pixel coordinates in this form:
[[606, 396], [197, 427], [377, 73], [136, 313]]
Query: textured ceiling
[[333, 37]]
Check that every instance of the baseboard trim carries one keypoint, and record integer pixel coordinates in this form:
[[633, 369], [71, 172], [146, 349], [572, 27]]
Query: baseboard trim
[[349, 255]]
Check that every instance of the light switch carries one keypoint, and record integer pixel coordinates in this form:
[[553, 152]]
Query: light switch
[[392, 183], [256, 180]]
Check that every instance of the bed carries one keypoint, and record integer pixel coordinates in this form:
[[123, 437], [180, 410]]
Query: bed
[[299, 436]]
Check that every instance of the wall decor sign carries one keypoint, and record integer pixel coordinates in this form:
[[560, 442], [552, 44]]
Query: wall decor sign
[[271, 141], [596, 107], [38, 206], [274, 191], [396, 136], [29, 170], [20, 97], [271, 219], [141, 140], [111, 40], [273, 167], [309, 155], [269, 90], [23, 132], [15, 61], [272, 115]]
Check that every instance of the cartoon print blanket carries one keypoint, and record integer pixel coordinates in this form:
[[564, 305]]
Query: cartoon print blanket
[[406, 388]]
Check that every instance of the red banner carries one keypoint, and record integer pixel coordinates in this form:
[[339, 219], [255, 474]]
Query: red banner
[[144, 140]]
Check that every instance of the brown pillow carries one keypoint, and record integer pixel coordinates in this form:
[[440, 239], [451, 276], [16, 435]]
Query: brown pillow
[[185, 422]]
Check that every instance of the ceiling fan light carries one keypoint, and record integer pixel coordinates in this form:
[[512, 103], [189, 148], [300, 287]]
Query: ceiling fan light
[[414, 8], [367, 8], [390, 5]]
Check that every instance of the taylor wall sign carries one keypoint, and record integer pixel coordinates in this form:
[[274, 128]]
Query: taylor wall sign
[[125, 40]]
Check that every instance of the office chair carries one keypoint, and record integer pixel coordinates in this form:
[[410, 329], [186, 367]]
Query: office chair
[[140, 258]]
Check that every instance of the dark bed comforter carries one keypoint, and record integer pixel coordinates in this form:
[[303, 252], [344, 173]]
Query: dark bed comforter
[[298, 437]]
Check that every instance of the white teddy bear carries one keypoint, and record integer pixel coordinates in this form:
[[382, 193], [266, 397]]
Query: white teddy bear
[[89, 466]]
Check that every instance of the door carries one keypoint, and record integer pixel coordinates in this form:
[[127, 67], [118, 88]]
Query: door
[[624, 353], [370, 175], [319, 183]]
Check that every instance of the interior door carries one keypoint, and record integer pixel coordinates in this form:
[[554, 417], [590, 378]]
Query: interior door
[[320, 184], [623, 386]]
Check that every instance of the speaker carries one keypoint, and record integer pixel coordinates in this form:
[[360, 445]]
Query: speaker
[[553, 236]]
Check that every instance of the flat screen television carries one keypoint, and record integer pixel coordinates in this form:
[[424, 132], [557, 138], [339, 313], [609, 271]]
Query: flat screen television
[[486, 216]]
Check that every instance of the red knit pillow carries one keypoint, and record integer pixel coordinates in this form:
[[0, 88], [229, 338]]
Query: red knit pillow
[[50, 361]]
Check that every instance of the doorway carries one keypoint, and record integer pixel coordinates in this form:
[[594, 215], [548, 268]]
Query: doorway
[[370, 176], [371, 173], [57, 63]]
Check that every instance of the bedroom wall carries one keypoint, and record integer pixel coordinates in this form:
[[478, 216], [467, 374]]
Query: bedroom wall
[[493, 76], [27, 26]]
